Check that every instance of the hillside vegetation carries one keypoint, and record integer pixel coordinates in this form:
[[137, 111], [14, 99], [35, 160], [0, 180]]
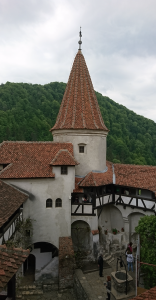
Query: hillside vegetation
[[28, 111]]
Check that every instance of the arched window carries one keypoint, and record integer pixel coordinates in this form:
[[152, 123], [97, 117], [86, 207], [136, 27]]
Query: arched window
[[58, 202], [49, 203]]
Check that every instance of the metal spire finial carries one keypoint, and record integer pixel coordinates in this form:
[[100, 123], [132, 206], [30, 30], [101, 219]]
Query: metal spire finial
[[80, 42]]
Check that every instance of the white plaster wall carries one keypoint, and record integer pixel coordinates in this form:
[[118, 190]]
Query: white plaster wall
[[94, 157], [51, 223], [105, 218], [133, 220], [41, 258], [51, 268], [95, 238]]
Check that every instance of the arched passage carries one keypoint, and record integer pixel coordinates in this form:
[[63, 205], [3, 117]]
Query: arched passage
[[29, 268], [45, 260], [81, 236], [133, 222]]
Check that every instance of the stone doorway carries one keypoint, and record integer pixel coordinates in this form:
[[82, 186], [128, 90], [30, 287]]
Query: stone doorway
[[29, 270]]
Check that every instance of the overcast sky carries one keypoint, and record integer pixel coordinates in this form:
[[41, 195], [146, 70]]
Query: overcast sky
[[39, 40]]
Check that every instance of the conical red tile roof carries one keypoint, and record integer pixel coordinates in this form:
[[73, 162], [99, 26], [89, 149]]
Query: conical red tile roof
[[79, 108]]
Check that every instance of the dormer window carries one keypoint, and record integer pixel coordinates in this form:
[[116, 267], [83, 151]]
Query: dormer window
[[81, 149], [64, 170]]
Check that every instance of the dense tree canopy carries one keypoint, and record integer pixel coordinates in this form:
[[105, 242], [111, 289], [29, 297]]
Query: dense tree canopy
[[147, 230], [28, 111]]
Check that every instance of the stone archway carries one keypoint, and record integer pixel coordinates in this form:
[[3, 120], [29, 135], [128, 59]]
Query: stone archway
[[46, 260], [133, 222], [29, 269], [81, 236]]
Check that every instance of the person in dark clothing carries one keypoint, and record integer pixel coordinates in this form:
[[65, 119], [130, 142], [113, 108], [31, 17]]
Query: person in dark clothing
[[108, 287], [100, 265]]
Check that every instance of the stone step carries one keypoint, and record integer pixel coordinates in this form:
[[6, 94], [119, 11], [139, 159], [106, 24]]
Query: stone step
[[27, 287], [110, 261], [107, 258], [34, 292]]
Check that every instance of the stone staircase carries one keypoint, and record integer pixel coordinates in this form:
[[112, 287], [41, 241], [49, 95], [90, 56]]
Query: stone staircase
[[109, 258], [28, 290]]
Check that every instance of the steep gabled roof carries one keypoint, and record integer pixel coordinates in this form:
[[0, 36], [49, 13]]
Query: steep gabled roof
[[79, 108], [64, 157], [30, 159], [10, 200], [10, 261]]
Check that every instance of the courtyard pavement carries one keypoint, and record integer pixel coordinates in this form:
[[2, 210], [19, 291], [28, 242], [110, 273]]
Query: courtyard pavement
[[96, 282]]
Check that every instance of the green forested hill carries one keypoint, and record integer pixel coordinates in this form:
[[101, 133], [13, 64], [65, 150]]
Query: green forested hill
[[28, 111]]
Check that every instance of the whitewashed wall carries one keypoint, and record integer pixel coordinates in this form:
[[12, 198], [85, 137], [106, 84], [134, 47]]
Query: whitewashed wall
[[50, 223], [94, 157]]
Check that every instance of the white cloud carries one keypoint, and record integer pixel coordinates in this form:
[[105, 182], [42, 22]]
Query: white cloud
[[39, 39]]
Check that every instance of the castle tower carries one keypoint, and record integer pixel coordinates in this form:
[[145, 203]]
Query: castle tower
[[79, 120]]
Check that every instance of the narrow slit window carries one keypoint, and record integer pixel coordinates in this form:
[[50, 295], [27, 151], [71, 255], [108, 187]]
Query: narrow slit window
[[64, 170], [81, 149]]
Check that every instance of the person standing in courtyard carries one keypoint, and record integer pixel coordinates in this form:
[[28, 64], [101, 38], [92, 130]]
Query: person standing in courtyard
[[100, 265], [108, 287], [130, 260]]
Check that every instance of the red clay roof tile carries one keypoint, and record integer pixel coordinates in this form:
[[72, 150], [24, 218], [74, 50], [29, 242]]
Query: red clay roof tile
[[97, 179], [30, 159], [7, 268], [79, 108], [149, 295], [64, 157], [143, 177], [78, 189], [10, 200]]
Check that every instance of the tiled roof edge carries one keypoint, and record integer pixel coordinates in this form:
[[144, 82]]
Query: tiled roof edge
[[63, 150], [6, 168], [16, 188]]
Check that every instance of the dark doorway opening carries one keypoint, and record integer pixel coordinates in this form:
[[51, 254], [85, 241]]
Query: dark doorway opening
[[29, 269]]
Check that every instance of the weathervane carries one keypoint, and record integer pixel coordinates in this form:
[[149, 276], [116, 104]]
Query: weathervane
[[80, 42]]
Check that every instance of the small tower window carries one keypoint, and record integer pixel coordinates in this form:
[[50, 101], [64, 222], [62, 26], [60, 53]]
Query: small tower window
[[58, 202], [49, 203], [81, 149], [64, 170]]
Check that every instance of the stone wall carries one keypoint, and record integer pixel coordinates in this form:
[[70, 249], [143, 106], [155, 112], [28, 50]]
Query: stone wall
[[66, 262], [82, 289]]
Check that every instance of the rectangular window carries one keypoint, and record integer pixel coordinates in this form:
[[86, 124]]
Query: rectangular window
[[81, 149], [64, 170]]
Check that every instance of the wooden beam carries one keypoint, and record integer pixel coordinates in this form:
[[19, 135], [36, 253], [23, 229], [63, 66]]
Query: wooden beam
[[100, 212], [76, 209], [73, 214]]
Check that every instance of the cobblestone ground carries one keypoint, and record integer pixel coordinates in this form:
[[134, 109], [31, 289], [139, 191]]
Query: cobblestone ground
[[97, 282]]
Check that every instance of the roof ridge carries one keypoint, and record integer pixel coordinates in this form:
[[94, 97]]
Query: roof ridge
[[63, 150], [16, 188], [6, 168]]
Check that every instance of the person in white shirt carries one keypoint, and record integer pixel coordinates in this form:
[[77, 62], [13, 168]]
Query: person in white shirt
[[129, 260]]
